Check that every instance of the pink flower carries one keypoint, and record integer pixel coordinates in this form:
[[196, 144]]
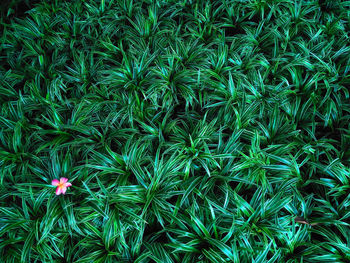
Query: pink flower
[[62, 185]]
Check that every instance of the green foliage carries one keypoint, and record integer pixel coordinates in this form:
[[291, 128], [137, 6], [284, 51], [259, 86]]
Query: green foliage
[[191, 131]]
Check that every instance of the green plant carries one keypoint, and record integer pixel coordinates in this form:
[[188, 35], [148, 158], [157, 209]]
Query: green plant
[[191, 131]]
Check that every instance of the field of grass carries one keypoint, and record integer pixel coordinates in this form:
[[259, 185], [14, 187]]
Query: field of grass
[[190, 131]]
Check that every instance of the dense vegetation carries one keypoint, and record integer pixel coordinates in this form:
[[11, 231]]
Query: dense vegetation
[[191, 131]]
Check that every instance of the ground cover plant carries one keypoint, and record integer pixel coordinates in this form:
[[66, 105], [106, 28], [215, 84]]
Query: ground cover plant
[[174, 131]]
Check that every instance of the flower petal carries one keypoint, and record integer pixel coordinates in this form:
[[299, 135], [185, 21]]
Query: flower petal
[[63, 189], [63, 180], [55, 182], [68, 184], [58, 191]]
